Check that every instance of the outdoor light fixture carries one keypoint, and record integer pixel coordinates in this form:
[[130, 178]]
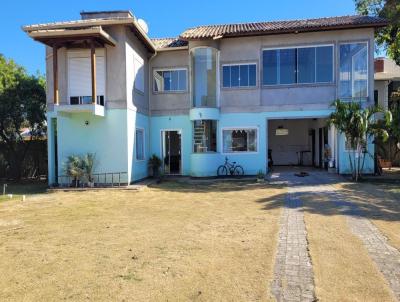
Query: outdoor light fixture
[[87, 123], [280, 131]]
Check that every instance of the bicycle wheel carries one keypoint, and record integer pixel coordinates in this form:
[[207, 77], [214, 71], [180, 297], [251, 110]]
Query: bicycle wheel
[[222, 171], [238, 171]]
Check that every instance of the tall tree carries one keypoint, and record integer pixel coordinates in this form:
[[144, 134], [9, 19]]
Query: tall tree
[[387, 37], [22, 105]]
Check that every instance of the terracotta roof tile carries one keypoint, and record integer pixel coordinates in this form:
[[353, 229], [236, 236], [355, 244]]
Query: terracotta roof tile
[[260, 28]]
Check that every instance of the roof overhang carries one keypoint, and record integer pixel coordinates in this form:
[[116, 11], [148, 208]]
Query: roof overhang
[[74, 26], [53, 37]]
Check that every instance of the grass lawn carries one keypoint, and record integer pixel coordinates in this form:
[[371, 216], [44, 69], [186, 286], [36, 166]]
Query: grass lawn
[[343, 269], [172, 242]]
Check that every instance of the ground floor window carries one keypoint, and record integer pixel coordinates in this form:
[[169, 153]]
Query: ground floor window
[[204, 136], [239, 140], [139, 144]]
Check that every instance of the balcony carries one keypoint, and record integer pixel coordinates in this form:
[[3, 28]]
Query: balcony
[[83, 104]]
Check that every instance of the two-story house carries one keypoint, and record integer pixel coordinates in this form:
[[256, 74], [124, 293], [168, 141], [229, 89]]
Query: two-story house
[[233, 90]]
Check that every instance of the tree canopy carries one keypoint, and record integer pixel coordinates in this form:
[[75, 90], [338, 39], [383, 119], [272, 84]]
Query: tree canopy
[[22, 105], [387, 37]]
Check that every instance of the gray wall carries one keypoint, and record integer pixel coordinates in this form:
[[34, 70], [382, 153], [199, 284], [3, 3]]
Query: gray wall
[[249, 49], [117, 68], [162, 103]]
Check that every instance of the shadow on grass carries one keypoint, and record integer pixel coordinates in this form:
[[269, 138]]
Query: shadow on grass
[[208, 186], [368, 200]]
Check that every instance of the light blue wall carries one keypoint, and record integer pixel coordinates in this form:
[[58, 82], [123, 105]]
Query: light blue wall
[[140, 167], [177, 122], [344, 162], [50, 150], [105, 136]]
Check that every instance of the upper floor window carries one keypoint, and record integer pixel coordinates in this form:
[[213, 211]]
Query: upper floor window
[[170, 80], [79, 77], [242, 75], [353, 73], [204, 76], [301, 65]]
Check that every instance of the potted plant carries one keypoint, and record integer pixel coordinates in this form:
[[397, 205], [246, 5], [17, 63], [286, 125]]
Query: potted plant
[[155, 164], [89, 163], [74, 169], [260, 176]]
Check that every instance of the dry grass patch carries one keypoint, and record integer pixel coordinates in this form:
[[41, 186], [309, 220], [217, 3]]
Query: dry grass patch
[[172, 242], [379, 202], [343, 270]]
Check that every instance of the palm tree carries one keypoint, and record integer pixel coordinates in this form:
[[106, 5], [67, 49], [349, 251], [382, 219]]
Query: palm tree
[[74, 168], [358, 125]]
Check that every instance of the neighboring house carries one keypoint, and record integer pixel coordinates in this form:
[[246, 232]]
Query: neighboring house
[[232, 90], [387, 80]]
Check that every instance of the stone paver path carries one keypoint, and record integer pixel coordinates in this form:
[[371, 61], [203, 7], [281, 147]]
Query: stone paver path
[[293, 270], [293, 274]]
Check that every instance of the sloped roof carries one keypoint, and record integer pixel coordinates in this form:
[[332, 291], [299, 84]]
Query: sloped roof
[[275, 27], [165, 43]]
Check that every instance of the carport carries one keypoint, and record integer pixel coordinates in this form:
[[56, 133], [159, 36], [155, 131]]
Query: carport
[[299, 141]]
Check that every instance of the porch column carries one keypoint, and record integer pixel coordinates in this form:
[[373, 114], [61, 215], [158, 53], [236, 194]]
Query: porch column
[[93, 73], [55, 75], [332, 142]]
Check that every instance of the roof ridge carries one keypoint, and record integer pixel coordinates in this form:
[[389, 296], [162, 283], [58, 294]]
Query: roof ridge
[[281, 20]]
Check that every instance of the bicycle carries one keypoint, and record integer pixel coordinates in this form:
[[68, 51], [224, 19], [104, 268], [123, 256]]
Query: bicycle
[[232, 168]]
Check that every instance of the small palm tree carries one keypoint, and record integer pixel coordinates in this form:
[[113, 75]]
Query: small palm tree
[[88, 164], [358, 124], [74, 168]]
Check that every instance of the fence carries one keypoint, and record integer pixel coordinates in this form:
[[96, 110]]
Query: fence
[[108, 179]]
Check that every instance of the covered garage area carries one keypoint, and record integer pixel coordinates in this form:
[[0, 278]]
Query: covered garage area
[[299, 142]]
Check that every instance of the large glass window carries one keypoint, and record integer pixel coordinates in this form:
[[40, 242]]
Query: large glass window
[[298, 65], [239, 140], [170, 80], [139, 144], [243, 75], [353, 75], [204, 77], [204, 136]]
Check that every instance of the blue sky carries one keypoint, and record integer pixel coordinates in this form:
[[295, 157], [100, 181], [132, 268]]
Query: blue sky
[[165, 18]]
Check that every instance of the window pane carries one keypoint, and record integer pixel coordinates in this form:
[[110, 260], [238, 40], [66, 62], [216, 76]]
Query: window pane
[[244, 75], [226, 76], [252, 75], [235, 76], [287, 66], [306, 65], [204, 136], [167, 80], [174, 80], [353, 75], [324, 58], [139, 144], [182, 80], [270, 67], [204, 77], [239, 140]]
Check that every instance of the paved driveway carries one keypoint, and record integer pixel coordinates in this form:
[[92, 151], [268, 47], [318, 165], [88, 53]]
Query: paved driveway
[[293, 274]]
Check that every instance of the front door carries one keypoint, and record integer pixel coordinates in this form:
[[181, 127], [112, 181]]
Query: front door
[[171, 151]]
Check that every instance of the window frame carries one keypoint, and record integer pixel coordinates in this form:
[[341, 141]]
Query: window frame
[[257, 129], [315, 83], [340, 43], [84, 54], [239, 64], [143, 145], [170, 69]]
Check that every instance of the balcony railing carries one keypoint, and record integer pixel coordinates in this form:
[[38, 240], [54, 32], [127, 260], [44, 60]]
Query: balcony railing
[[86, 100]]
